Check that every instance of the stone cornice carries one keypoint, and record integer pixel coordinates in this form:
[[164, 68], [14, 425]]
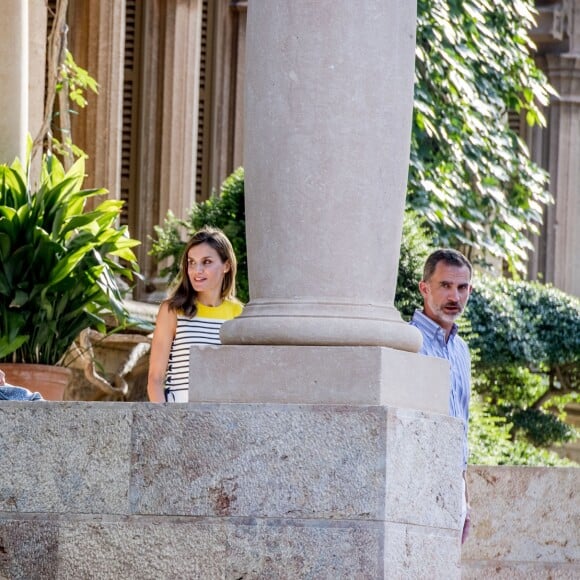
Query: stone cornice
[[553, 21], [557, 29]]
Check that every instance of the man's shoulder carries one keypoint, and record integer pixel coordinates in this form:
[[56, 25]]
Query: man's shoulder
[[428, 329], [461, 343]]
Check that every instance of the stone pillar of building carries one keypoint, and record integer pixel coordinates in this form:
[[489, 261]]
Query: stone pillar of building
[[227, 129], [329, 98], [557, 146], [562, 219], [180, 98], [37, 39], [13, 80], [37, 59], [97, 42]]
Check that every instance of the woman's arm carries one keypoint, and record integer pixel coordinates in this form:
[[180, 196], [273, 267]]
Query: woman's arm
[[163, 335]]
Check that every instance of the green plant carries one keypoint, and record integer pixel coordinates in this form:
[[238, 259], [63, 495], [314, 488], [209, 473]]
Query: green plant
[[491, 441], [470, 175], [415, 247], [60, 264], [526, 337]]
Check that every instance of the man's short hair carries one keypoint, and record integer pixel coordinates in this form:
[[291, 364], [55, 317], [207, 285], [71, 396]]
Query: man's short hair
[[449, 257]]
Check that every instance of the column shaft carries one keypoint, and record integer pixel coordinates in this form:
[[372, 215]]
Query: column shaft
[[329, 98], [13, 80], [563, 235], [180, 106], [97, 39]]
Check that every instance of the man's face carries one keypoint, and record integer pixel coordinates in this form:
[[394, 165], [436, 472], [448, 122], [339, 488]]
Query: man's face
[[445, 294]]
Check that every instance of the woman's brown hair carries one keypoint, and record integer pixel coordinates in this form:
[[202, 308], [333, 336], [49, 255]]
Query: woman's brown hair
[[183, 296]]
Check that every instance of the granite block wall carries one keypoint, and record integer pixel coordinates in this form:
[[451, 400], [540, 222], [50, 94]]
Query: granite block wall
[[139, 491], [109, 490]]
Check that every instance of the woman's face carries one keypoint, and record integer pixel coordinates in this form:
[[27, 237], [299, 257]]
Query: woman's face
[[206, 271]]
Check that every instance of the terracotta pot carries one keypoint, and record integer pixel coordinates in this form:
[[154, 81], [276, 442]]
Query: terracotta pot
[[48, 380]]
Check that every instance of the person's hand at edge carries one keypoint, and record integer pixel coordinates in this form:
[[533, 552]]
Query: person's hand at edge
[[466, 526]]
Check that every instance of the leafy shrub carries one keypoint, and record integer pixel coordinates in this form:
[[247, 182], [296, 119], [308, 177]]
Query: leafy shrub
[[60, 265], [527, 340], [491, 441]]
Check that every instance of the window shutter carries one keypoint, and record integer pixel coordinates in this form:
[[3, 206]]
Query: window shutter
[[130, 111], [203, 120]]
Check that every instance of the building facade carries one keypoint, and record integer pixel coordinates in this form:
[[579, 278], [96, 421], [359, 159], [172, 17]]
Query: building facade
[[166, 127]]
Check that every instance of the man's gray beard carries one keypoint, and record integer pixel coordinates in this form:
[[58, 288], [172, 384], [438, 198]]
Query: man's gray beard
[[451, 318]]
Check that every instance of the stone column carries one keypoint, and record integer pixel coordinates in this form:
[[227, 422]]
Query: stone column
[[329, 97], [180, 106], [13, 80], [556, 148], [37, 55], [563, 234], [37, 30], [97, 38]]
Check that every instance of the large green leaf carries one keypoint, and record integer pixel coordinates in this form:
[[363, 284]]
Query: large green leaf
[[59, 263]]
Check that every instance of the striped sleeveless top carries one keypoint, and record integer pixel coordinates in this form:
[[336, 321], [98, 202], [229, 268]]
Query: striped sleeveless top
[[203, 328]]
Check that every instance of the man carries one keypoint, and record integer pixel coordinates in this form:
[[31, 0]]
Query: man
[[445, 287]]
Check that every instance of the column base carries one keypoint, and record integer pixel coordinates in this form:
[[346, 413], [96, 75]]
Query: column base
[[321, 324]]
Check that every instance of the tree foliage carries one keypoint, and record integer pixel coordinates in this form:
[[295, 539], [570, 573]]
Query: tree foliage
[[491, 441], [526, 341], [415, 247], [470, 174]]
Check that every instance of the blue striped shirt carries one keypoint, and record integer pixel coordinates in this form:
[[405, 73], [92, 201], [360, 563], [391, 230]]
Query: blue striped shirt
[[455, 350]]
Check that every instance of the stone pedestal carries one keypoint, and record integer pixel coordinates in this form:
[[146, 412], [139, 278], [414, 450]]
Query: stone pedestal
[[148, 491], [340, 375]]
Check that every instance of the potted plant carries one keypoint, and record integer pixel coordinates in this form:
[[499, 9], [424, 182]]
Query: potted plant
[[61, 264]]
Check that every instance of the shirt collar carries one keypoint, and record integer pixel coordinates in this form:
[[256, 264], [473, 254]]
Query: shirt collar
[[430, 327]]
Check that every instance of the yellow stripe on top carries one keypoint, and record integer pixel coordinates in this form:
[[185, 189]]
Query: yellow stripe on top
[[225, 311]]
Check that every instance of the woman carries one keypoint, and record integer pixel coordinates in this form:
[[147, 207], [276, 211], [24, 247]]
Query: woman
[[202, 300]]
